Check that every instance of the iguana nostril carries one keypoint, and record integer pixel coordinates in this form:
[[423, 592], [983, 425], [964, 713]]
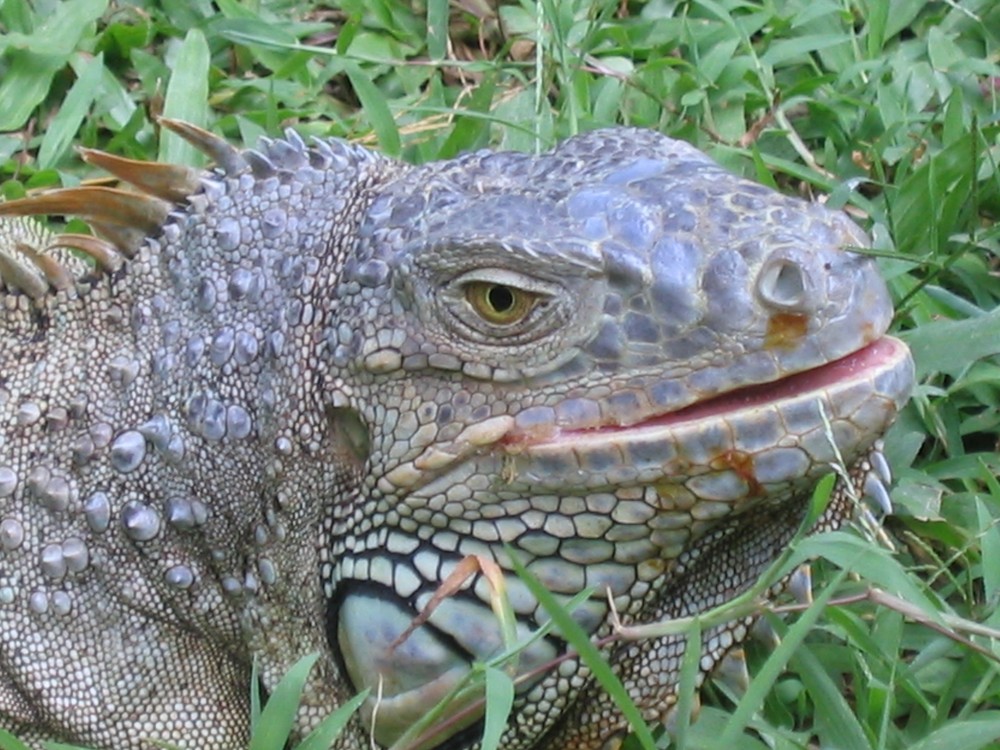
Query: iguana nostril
[[784, 284]]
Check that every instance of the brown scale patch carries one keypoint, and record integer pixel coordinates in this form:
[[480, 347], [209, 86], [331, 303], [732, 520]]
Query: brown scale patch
[[742, 464], [673, 496], [655, 567], [785, 330]]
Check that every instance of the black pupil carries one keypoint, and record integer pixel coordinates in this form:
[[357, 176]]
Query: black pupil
[[501, 298]]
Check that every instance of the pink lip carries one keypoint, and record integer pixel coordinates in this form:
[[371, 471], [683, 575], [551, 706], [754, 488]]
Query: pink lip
[[858, 365], [863, 364]]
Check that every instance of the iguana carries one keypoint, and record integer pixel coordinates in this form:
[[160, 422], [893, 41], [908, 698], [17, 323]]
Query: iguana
[[271, 408]]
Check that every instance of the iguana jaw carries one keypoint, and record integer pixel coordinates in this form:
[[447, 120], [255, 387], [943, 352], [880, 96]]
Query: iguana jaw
[[733, 447], [867, 363]]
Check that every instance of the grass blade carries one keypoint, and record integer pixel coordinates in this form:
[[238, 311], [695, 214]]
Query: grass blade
[[376, 108], [330, 728], [971, 734], [66, 123], [10, 742], [775, 664], [186, 99], [592, 657], [278, 716], [499, 701]]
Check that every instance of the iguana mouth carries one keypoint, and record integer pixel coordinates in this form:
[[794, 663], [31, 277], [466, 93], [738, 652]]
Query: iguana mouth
[[759, 436], [882, 357]]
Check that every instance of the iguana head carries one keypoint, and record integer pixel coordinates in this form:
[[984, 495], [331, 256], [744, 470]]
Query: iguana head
[[588, 360]]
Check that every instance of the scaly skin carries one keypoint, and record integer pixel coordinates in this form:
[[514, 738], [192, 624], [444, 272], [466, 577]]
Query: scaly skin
[[307, 385]]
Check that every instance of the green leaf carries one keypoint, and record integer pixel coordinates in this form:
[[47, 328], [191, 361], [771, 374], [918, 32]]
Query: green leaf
[[330, 728], [17, 16], [10, 742], [901, 14], [979, 731], [186, 99], [25, 85], [499, 701], [874, 563], [875, 31], [37, 56], [67, 121], [796, 47], [687, 686], [255, 707], [376, 109], [437, 29], [990, 537], [836, 722], [254, 30], [949, 346], [768, 674], [933, 198], [61, 32], [944, 54], [278, 716], [470, 126]]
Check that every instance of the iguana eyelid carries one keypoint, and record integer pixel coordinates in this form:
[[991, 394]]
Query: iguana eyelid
[[531, 284]]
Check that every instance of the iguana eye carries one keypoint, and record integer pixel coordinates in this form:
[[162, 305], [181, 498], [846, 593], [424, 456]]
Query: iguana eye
[[499, 304]]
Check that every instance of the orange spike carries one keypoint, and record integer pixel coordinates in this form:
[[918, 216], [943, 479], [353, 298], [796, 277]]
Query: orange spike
[[125, 240], [55, 272], [104, 253], [171, 182], [20, 276], [100, 204], [217, 149]]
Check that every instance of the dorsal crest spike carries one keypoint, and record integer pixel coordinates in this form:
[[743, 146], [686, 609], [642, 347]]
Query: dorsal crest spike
[[34, 262], [96, 204], [55, 273], [102, 252], [295, 140], [27, 263], [125, 240], [171, 182], [19, 274], [288, 154], [261, 166], [223, 153]]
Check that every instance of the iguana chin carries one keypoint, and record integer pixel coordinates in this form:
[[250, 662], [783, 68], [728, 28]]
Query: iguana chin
[[277, 407]]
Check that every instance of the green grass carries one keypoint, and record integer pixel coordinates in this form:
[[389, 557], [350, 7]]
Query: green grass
[[888, 108]]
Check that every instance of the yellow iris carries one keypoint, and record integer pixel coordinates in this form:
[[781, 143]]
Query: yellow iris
[[498, 303]]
